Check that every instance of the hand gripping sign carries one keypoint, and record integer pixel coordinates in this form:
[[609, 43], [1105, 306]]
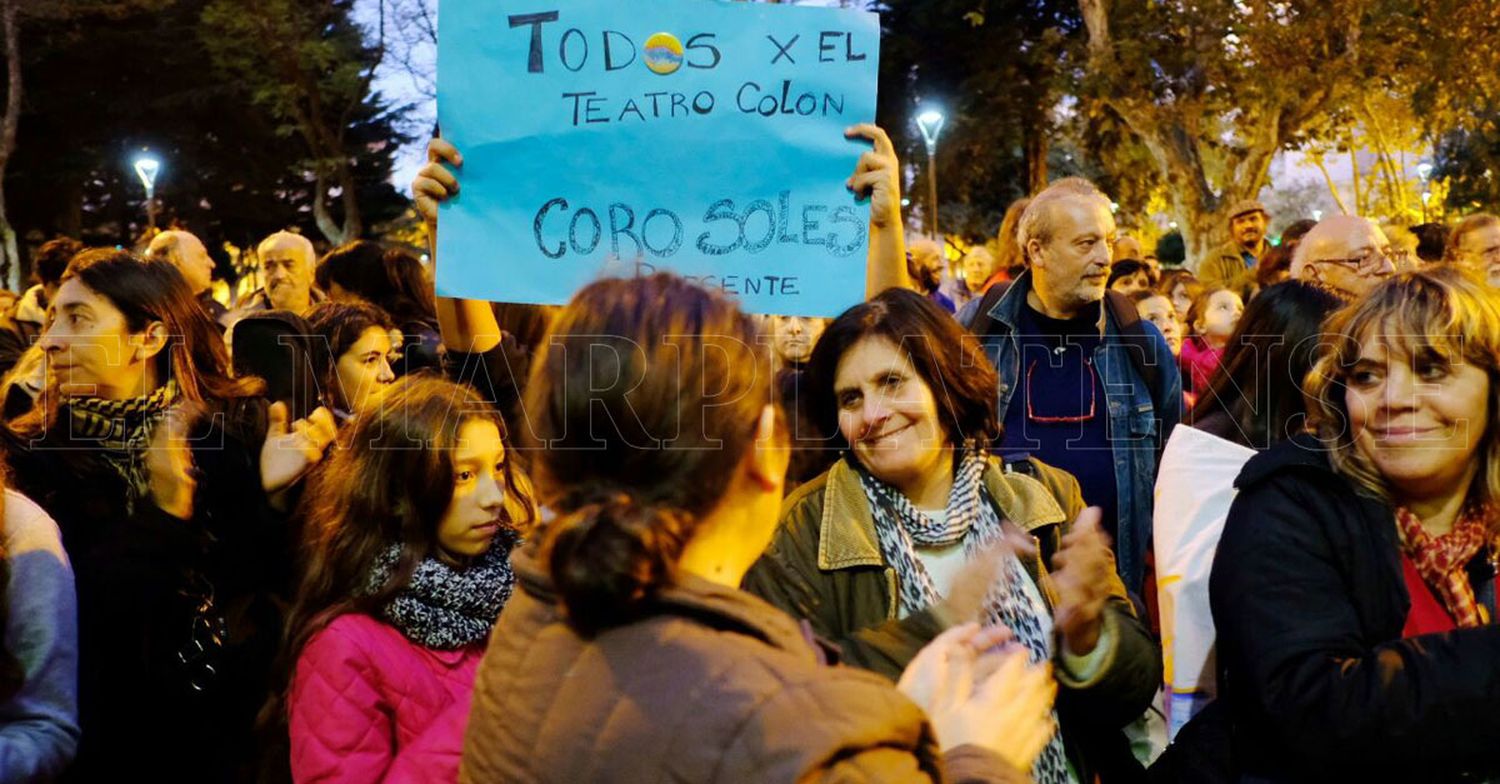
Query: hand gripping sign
[[704, 137]]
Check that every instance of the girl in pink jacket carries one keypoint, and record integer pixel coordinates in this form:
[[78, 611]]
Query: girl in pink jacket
[[409, 529], [1211, 321]]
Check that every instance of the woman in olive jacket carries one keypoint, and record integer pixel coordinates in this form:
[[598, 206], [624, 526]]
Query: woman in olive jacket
[[897, 541]]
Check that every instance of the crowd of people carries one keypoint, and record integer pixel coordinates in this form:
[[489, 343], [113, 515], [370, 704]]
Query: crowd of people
[[342, 529]]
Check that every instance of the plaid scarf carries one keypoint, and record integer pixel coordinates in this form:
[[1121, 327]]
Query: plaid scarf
[[971, 519], [1441, 560], [121, 430]]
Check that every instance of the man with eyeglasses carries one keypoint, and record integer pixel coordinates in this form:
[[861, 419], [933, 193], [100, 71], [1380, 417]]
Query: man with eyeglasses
[[1085, 384], [1346, 255], [1475, 242]]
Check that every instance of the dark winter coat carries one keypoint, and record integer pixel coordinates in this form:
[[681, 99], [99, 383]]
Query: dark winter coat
[[1309, 601], [145, 714]]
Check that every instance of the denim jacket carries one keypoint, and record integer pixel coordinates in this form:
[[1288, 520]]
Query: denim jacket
[[1140, 419]]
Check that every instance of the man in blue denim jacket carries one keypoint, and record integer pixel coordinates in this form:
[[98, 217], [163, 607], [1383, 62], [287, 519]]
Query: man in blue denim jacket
[[1071, 392]]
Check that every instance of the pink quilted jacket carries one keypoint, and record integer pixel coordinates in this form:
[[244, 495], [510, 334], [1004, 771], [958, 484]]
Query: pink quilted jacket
[[369, 705]]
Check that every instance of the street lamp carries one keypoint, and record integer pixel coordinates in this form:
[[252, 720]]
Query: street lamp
[[147, 167], [930, 123]]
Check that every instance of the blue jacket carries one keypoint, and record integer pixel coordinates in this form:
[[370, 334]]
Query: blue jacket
[[1140, 419]]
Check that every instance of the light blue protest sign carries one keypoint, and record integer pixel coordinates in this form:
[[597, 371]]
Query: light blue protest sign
[[698, 136]]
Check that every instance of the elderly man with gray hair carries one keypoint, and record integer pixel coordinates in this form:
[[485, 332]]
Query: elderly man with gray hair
[[286, 263], [1085, 384], [186, 252], [1345, 255]]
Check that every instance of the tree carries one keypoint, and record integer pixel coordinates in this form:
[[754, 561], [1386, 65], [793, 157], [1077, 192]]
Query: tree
[[995, 66], [13, 15], [1468, 159], [10, 30], [97, 93], [1216, 88], [307, 63]]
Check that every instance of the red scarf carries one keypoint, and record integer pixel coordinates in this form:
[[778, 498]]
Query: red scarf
[[1441, 560]]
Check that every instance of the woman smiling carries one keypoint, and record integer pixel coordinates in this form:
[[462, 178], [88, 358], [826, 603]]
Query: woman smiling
[[1354, 588], [918, 529]]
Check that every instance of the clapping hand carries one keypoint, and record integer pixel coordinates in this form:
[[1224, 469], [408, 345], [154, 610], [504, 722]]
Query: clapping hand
[[977, 687], [1082, 567], [291, 450]]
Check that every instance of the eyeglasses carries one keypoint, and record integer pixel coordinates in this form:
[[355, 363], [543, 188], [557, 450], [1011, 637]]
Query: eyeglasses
[[1367, 262], [1031, 414]]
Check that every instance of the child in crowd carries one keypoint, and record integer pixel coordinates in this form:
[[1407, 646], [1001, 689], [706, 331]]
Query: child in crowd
[[1182, 287], [1157, 309], [1128, 276], [1211, 321], [409, 530]]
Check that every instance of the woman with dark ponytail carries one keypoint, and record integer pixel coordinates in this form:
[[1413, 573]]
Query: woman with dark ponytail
[[628, 653]]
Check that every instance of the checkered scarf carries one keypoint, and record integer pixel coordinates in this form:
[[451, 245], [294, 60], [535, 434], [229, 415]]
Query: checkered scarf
[[1441, 560], [121, 430], [971, 519]]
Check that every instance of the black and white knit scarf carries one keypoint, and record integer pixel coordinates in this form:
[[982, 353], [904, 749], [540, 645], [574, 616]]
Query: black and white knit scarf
[[973, 520], [121, 430], [443, 607]]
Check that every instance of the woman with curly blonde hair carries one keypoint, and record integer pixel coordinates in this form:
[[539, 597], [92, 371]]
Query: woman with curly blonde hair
[[1354, 588]]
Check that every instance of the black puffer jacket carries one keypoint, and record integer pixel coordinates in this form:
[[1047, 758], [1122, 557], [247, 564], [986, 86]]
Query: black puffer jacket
[[1309, 601]]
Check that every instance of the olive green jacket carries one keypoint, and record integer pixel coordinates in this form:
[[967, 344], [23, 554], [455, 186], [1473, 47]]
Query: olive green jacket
[[1224, 267], [824, 565]]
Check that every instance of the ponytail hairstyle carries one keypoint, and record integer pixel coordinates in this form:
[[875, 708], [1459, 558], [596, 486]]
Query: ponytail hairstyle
[[646, 399], [147, 290]]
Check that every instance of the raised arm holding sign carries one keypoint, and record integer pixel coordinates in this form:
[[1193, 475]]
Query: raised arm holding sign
[[610, 138]]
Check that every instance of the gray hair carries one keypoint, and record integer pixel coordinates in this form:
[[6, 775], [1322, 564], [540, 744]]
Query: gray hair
[[289, 240], [1037, 221]]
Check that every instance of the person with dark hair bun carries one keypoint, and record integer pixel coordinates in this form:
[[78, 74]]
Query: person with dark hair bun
[[898, 540], [628, 653], [1129, 276], [162, 470]]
